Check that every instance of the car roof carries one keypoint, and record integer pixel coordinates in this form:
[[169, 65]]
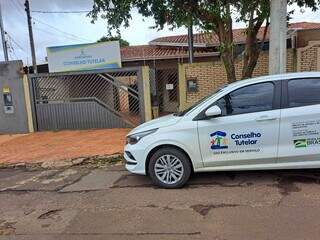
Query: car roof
[[276, 77]]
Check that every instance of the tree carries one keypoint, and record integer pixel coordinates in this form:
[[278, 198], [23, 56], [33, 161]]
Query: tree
[[254, 14], [209, 15], [123, 43]]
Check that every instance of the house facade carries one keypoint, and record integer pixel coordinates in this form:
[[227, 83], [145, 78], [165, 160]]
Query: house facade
[[167, 57], [175, 83]]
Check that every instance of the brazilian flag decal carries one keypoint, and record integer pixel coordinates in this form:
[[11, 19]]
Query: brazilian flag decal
[[300, 143]]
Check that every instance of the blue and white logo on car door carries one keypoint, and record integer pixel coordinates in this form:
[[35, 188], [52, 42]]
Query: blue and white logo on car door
[[220, 142]]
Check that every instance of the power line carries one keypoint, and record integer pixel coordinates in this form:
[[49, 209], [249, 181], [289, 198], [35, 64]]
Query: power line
[[19, 4], [47, 30], [63, 12], [55, 33], [11, 49], [16, 5], [16, 43], [75, 37], [10, 55], [50, 32]]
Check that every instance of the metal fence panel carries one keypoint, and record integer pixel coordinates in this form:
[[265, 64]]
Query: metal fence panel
[[110, 92], [76, 115]]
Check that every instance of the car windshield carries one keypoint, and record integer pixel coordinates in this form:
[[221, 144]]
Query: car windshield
[[184, 112]]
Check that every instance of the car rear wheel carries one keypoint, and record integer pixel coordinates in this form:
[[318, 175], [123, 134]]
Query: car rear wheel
[[169, 168]]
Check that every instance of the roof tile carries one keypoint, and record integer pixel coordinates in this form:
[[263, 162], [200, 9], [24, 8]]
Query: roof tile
[[155, 51]]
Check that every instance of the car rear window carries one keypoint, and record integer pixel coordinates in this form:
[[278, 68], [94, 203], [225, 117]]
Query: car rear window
[[303, 92]]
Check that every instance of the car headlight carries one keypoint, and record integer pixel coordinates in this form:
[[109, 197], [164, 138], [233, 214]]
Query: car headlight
[[134, 138]]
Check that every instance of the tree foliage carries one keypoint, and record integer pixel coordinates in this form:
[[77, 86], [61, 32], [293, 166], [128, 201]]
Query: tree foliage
[[123, 43], [215, 16]]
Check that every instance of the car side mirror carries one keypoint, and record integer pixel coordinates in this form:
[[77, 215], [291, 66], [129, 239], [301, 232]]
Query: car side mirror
[[213, 111]]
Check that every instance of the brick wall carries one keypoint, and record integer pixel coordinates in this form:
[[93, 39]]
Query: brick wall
[[212, 75], [123, 94], [127, 80], [308, 57]]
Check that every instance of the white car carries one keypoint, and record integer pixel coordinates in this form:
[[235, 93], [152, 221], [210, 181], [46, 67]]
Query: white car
[[270, 122]]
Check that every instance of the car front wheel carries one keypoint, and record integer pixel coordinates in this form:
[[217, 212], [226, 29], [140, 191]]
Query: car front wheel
[[169, 168]]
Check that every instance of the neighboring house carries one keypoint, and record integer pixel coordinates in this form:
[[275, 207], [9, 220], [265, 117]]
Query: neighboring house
[[174, 49], [166, 56]]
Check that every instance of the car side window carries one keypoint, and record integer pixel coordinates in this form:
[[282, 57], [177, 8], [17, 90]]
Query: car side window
[[254, 98], [303, 92]]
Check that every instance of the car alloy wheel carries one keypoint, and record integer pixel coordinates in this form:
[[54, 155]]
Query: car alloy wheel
[[169, 169]]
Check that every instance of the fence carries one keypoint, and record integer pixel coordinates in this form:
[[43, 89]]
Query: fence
[[94, 99]]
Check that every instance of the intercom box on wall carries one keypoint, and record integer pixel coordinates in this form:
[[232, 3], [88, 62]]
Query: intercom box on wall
[[8, 101]]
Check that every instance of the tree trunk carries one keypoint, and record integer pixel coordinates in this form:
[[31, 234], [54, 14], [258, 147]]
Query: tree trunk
[[228, 62], [225, 34], [252, 49], [251, 55]]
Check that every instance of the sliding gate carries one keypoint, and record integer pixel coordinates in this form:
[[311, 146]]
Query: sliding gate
[[93, 99]]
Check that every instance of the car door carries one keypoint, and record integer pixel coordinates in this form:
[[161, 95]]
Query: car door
[[248, 129], [300, 121]]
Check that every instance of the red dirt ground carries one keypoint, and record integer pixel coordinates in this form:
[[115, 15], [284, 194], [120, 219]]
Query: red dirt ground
[[61, 145]]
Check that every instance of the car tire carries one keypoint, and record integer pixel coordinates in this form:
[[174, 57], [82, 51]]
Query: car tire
[[169, 168]]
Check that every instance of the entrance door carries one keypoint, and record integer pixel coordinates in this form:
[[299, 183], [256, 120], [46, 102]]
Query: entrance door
[[167, 90], [247, 131]]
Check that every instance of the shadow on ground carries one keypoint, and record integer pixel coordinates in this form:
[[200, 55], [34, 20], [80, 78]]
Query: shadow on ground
[[284, 179]]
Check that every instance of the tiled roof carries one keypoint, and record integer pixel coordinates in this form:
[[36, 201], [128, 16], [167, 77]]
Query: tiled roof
[[153, 52], [208, 39], [173, 46]]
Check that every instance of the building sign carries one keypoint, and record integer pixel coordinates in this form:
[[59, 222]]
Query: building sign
[[84, 57], [169, 86]]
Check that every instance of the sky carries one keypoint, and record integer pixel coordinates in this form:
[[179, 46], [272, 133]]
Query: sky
[[63, 29]]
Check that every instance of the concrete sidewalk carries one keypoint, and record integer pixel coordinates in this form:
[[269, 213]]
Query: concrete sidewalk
[[52, 146]]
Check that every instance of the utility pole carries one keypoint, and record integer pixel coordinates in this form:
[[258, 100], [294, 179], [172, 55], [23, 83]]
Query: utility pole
[[4, 42], [190, 43], [33, 53], [278, 37]]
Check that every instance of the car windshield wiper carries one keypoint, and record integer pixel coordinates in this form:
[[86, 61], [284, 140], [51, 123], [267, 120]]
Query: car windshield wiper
[[178, 114]]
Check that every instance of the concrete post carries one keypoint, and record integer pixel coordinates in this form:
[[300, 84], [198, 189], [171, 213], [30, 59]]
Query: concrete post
[[146, 94], [318, 59], [182, 87], [3, 37], [28, 102], [190, 43], [278, 37]]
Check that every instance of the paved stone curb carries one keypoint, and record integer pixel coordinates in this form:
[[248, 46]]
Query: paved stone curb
[[94, 161]]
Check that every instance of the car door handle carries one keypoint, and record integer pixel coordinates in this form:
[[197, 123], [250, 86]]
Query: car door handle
[[265, 118]]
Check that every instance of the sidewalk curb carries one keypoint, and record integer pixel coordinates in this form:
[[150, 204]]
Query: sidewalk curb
[[97, 160]]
